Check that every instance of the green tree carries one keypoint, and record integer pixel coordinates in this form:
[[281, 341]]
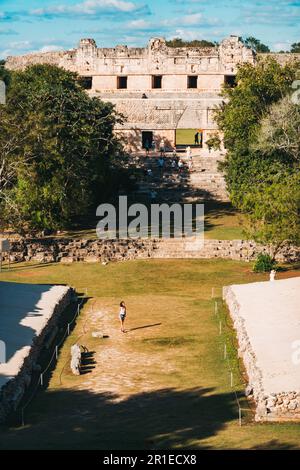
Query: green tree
[[295, 48], [62, 153], [262, 177], [256, 44]]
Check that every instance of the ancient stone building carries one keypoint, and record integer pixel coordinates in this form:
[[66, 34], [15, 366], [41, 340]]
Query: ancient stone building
[[163, 92]]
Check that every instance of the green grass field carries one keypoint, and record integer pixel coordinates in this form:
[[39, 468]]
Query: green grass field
[[163, 384]]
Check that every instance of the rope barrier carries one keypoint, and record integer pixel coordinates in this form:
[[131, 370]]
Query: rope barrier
[[54, 354], [226, 353]]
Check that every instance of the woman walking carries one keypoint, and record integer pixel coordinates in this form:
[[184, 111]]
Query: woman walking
[[122, 315]]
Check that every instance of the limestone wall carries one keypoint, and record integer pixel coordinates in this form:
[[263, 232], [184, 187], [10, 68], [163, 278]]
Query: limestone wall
[[13, 391], [265, 346], [157, 58], [69, 250]]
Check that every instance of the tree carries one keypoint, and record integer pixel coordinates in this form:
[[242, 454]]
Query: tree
[[279, 131], [57, 149], [202, 43], [256, 44], [295, 48], [263, 175]]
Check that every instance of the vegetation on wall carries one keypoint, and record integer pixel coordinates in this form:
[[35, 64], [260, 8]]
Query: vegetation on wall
[[260, 122], [178, 42], [56, 149]]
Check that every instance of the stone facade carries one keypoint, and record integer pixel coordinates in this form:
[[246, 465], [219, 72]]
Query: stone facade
[[13, 391], [158, 89]]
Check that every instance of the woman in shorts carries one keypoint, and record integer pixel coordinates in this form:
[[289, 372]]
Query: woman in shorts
[[122, 315]]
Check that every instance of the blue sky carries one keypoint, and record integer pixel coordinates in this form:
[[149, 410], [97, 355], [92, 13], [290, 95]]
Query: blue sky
[[45, 25]]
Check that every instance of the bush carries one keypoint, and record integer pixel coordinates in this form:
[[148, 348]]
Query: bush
[[264, 263]]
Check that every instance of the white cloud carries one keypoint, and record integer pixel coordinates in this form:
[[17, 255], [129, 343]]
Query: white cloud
[[88, 7], [282, 46], [50, 48], [139, 24]]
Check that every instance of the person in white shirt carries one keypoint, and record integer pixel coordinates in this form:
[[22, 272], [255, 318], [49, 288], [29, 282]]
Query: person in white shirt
[[122, 315]]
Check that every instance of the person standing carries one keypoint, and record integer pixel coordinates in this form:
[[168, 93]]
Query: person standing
[[162, 147], [122, 315], [147, 147], [197, 138]]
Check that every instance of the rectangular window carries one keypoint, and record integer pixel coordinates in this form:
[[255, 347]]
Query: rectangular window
[[122, 83], [230, 81], [156, 81], [192, 81], [86, 82]]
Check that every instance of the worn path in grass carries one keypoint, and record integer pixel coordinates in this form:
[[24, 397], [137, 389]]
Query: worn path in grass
[[162, 384]]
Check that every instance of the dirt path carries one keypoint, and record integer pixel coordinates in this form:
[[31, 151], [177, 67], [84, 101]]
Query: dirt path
[[121, 368]]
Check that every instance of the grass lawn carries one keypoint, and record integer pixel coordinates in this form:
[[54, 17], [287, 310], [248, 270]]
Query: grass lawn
[[222, 222], [163, 384]]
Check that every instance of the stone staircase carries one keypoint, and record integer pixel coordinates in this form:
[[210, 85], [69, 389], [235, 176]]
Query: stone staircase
[[204, 182]]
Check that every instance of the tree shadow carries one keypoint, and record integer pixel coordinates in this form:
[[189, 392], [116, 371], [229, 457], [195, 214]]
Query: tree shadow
[[160, 419]]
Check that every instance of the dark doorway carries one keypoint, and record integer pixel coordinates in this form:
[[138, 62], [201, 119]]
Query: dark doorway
[[86, 82], [122, 83], [192, 81], [230, 81], [147, 137], [156, 81]]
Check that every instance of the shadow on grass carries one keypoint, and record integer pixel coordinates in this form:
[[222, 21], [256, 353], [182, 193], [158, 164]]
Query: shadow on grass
[[167, 418], [143, 327]]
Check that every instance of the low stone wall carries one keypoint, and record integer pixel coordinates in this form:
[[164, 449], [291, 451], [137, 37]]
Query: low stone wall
[[282, 406], [93, 251], [13, 391], [245, 250], [70, 250]]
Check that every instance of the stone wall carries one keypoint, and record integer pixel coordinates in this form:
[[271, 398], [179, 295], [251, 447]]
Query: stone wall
[[238, 250], [142, 62], [282, 406], [93, 251], [69, 250], [13, 391]]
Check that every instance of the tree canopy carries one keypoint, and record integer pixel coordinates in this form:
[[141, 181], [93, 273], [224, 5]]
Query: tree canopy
[[295, 48], [256, 44], [56, 149], [178, 42], [262, 164]]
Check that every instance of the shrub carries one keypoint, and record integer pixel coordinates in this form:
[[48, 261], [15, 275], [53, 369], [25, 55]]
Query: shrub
[[264, 263]]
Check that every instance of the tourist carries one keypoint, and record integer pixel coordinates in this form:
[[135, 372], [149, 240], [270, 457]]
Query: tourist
[[162, 147], [190, 164], [161, 162], [147, 147], [122, 315], [197, 138], [153, 195], [188, 152], [180, 165]]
